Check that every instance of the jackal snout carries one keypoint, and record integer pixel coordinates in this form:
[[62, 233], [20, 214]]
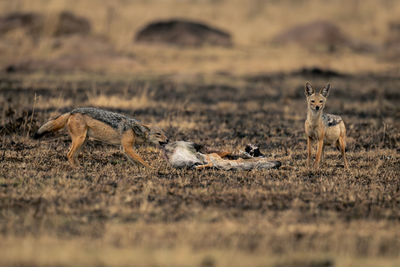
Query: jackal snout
[[157, 136]]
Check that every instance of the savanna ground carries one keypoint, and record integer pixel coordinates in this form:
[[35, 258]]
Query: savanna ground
[[112, 213]]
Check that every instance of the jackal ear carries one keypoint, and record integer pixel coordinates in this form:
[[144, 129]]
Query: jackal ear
[[140, 130], [308, 89], [146, 127], [325, 91]]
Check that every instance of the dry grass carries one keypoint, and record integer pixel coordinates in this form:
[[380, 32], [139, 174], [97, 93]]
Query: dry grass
[[109, 212]]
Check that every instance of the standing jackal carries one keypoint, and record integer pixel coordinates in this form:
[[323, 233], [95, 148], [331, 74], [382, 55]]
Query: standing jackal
[[106, 126], [326, 129]]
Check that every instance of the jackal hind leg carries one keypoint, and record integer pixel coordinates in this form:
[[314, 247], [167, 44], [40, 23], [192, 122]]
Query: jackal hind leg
[[207, 164], [127, 142], [77, 130], [342, 147], [204, 166], [223, 154], [323, 154]]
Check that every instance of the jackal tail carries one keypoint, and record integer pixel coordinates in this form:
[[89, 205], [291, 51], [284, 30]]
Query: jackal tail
[[52, 125]]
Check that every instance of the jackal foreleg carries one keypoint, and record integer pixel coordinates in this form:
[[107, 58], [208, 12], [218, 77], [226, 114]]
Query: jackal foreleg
[[342, 146], [127, 142], [77, 130], [308, 151], [319, 152]]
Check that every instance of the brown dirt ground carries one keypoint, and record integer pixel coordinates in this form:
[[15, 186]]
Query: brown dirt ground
[[286, 217]]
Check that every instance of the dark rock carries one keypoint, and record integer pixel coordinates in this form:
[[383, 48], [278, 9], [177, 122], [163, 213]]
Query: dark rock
[[66, 23], [318, 72], [183, 33], [313, 35], [32, 23]]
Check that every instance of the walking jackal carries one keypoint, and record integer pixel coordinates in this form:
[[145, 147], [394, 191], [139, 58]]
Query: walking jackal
[[106, 126], [326, 129]]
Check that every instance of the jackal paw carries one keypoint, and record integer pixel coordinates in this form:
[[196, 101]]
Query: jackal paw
[[74, 164]]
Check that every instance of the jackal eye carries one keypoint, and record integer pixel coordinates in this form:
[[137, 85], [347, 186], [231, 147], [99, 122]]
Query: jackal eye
[[312, 101], [321, 101]]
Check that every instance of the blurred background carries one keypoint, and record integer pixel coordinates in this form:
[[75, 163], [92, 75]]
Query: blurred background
[[199, 36]]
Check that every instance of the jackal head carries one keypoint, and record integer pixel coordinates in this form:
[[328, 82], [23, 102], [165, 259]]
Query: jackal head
[[253, 150], [156, 136], [316, 101], [149, 134]]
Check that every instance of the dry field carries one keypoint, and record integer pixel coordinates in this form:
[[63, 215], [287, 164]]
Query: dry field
[[109, 212], [112, 213]]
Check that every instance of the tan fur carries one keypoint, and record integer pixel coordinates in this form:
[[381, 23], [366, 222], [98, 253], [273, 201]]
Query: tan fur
[[81, 126], [317, 126]]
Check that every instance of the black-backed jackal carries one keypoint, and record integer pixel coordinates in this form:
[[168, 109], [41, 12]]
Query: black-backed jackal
[[326, 129], [106, 126]]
